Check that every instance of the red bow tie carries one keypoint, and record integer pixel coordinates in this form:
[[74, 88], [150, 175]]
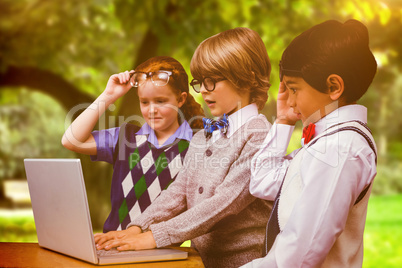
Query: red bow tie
[[308, 133]]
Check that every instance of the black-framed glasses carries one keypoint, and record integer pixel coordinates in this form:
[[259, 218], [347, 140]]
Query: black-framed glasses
[[159, 78], [209, 84], [288, 72]]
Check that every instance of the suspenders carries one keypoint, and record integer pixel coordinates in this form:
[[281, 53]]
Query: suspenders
[[273, 229], [356, 126], [362, 129]]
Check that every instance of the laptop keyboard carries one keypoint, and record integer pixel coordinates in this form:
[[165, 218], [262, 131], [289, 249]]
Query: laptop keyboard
[[114, 252]]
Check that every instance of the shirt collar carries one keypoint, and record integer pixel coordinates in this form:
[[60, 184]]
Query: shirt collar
[[238, 119], [342, 114], [184, 132]]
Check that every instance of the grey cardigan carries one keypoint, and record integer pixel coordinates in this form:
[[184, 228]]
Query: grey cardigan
[[209, 202]]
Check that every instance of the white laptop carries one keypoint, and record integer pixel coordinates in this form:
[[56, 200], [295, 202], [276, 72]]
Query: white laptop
[[62, 218]]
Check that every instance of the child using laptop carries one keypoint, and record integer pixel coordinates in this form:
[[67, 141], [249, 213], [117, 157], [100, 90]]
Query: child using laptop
[[145, 160], [319, 213], [209, 202]]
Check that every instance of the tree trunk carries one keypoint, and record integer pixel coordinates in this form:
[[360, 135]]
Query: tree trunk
[[47, 82], [130, 103], [97, 175]]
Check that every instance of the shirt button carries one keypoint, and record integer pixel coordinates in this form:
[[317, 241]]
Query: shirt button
[[208, 152], [200, 190]]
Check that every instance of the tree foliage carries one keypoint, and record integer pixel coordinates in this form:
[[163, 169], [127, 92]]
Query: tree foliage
[[68, 49]]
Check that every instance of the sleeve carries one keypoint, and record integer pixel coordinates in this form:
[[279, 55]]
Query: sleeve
[[333, 174], [106, 142], [269, 165], [232, 196]]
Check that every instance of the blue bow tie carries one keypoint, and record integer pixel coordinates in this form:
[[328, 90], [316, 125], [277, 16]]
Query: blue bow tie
[[210, 125]]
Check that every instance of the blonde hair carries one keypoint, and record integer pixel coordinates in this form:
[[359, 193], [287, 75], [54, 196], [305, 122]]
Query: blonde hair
[[178, 82], [240, 56]]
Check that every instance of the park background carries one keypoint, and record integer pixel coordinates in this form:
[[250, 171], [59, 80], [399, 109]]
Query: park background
[[56, 57]]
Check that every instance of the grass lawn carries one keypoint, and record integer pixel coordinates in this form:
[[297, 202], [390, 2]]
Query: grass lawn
[[382, 238], [17, 226], [383, 234]]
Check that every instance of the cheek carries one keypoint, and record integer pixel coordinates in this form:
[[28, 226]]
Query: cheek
[[300, 100], [144, 110], [170, 111]]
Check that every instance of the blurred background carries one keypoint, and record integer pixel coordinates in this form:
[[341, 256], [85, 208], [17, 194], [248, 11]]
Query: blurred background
[[56, 57]]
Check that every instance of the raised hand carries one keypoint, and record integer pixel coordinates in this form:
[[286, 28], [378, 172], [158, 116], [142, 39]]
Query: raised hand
[[118, 85], [78, 137], [285, 113]]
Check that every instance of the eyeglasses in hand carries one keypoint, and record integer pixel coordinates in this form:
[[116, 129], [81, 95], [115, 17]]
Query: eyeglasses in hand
[[159, 78]]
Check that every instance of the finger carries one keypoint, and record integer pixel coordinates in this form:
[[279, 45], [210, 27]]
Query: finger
[[99, 246], [282, 87], [105, 245], [97, 236], [120, 236], [126, 76], [103, 240], [124, 247], [114, 244], [114, 78], [118, 78]]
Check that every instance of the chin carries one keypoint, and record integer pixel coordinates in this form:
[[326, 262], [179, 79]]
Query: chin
[[216, 113]]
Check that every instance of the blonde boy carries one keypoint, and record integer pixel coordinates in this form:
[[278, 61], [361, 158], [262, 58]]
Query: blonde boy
[[209, 202]]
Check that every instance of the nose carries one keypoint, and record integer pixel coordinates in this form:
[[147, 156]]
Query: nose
[[291, 100], [153, 108], [203, 90]]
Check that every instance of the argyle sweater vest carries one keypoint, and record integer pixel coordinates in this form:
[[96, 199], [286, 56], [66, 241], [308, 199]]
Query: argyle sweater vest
[[140, 172]]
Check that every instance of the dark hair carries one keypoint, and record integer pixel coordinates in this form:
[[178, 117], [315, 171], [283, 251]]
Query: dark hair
[[240, 56], [329, 48], [178, 82]]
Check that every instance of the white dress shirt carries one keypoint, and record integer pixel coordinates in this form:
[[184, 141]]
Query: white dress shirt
[[236, 120], [335, 170]]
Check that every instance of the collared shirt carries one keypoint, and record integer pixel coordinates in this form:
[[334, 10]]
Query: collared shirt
[[184, 132], [236, 120], [335, 170], [106, 140]]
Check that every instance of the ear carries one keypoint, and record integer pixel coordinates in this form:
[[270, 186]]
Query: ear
[[335, 86], [182, 99]]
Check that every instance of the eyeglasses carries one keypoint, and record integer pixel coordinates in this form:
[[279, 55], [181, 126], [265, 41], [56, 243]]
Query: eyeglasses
[[282, 72], [208, 82], [158, 78]]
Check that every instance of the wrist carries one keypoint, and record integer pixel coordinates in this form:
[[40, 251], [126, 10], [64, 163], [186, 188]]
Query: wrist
[[135, 229], [105, 99]]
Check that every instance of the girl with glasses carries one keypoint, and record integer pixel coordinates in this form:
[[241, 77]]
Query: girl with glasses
[[209, 202], [145, 160]]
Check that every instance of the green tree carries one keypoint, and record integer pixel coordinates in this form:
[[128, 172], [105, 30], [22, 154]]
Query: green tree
[[68, 49]]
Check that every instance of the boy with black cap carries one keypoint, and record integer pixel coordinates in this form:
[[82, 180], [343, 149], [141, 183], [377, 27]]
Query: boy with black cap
[[321, 191]]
